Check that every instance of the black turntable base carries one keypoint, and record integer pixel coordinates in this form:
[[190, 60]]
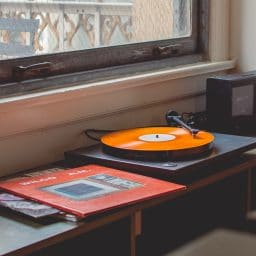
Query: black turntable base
[[225, 150]]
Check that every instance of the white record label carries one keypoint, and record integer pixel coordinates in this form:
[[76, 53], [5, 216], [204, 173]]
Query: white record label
[[158, 137]]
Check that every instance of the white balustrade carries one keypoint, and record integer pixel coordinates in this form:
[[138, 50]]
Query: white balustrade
[[70, 25]]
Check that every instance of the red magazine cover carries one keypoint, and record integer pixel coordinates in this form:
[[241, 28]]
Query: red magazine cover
[[88, 189]]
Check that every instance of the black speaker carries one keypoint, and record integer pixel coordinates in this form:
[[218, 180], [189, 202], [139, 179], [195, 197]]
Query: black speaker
[[231, 104]]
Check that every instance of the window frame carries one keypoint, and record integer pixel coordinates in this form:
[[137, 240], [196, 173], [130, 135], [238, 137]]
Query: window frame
[[106, 62]]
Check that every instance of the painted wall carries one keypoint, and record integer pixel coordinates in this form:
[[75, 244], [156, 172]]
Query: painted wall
[[41, 133], [243, 36], [33, 133]]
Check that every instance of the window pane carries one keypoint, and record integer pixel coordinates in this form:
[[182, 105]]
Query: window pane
[[47, 26]]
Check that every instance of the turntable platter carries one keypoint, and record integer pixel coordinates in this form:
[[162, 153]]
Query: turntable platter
[[172, 140]]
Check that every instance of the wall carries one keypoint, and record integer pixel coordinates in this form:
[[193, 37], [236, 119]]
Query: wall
[[46, 130], [243, 36], [38, 129]]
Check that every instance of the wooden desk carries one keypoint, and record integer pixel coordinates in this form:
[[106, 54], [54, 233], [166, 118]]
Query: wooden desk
[[20, 236]]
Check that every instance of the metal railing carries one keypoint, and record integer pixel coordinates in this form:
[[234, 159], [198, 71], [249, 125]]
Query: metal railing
[[70, 25]]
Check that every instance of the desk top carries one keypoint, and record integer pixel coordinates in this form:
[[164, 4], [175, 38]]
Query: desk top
[[21, 236]]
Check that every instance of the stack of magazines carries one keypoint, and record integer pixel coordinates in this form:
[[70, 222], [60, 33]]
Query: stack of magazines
[[33, 209], [73, 194]]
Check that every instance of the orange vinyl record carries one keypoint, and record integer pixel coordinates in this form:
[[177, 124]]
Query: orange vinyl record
[[157, 142]]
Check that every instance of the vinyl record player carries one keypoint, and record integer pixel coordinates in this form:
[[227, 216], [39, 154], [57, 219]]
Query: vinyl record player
[[225, 149], [167, 152]]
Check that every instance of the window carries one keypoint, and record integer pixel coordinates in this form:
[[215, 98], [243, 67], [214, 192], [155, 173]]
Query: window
[[55, 39]]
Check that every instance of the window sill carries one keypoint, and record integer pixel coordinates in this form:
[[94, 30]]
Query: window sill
[[112, 85], [74, 106]]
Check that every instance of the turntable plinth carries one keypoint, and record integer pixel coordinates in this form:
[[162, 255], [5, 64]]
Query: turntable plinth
[[226, 150]]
